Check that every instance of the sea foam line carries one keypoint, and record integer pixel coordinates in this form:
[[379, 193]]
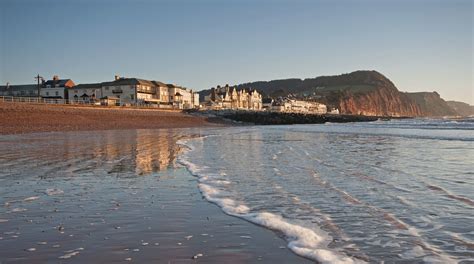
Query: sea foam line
[[303, 241]]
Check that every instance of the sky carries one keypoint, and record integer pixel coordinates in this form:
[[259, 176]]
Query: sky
[[420, 45]]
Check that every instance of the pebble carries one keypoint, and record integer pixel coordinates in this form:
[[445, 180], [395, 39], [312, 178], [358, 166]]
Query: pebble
[[144, 244], [136, 250], [188, 237], [157, 244], [30, 249], [197, 256], [3, 220], [42, 243], [56, 246], [128, 259], [179, 243]]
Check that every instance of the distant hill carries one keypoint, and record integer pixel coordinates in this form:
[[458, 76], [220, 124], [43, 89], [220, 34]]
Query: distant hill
[[461, 108], [359, 92]]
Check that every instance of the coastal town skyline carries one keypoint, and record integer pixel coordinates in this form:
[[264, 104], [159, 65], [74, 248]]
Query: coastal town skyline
[[422, 46]]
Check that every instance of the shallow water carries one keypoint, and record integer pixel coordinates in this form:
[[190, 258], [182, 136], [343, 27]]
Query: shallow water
[[116, 196], [393, 191]]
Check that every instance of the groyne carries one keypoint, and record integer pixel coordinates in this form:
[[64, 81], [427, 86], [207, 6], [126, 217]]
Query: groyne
[[282, 118]]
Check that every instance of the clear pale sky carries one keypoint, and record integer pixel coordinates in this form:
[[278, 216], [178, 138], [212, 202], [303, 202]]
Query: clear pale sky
[[420, 45]]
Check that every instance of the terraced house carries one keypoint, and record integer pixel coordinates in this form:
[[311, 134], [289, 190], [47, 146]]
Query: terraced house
[[136, 91], [227, 97], [121, 91]]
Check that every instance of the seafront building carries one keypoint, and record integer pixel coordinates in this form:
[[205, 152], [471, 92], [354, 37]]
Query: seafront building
[[85, 93], [121, 91], [298, 106], [24, 90], [56, 88], [50, 89], [230, 98]]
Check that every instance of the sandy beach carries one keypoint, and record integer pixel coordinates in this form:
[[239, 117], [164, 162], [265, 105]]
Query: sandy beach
[[16, 118], [116, 196]]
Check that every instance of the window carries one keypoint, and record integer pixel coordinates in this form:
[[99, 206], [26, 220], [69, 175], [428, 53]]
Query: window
[[47, 93], [57, 93], [131, 96], [106, 88], [48, 86]]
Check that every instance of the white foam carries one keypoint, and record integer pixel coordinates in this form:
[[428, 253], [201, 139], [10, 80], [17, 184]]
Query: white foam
[[311, 243], [54, 191], [303, 241], [17, 210], [30, 199]]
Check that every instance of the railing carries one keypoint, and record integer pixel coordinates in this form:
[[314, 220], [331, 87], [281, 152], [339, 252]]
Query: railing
[[36, 100]]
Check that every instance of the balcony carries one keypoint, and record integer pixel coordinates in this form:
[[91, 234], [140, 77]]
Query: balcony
[[146, 90]]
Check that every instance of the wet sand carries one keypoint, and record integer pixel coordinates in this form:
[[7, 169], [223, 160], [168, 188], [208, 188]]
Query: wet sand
[[116, 196], [16, 118]]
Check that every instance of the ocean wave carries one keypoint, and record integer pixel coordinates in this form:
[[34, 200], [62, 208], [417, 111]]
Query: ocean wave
[[310, 243]]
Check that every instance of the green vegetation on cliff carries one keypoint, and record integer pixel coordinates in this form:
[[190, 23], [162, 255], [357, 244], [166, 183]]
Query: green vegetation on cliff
[[360, 93]]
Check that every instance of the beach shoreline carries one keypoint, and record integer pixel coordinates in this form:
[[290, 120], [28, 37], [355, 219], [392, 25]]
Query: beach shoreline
[[20, 118], [117, 196]]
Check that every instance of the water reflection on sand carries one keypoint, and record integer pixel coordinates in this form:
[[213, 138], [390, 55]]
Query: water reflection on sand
[[120, 153]]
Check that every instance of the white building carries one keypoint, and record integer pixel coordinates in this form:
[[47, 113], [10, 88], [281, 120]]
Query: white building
[[56, 88], [227, 97], [299, 106], [87, 93], [144, 92]]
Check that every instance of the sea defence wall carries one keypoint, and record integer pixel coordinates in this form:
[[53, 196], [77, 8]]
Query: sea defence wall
[[282, 118]]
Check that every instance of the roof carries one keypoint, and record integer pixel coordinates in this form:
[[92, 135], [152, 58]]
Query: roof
[[61, 82], [133, 81], [23, 87], [87, 86], [157, 83]]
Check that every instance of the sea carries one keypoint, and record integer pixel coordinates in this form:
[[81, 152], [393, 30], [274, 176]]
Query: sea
[[385, 191]]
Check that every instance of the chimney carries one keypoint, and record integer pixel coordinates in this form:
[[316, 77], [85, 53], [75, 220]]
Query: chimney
[[8, 85], [55, 78], [117, 77]]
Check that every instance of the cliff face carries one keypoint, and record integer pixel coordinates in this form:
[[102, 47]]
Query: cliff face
[[359, 92], [380, 102], [461, 108], [431, 104]]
